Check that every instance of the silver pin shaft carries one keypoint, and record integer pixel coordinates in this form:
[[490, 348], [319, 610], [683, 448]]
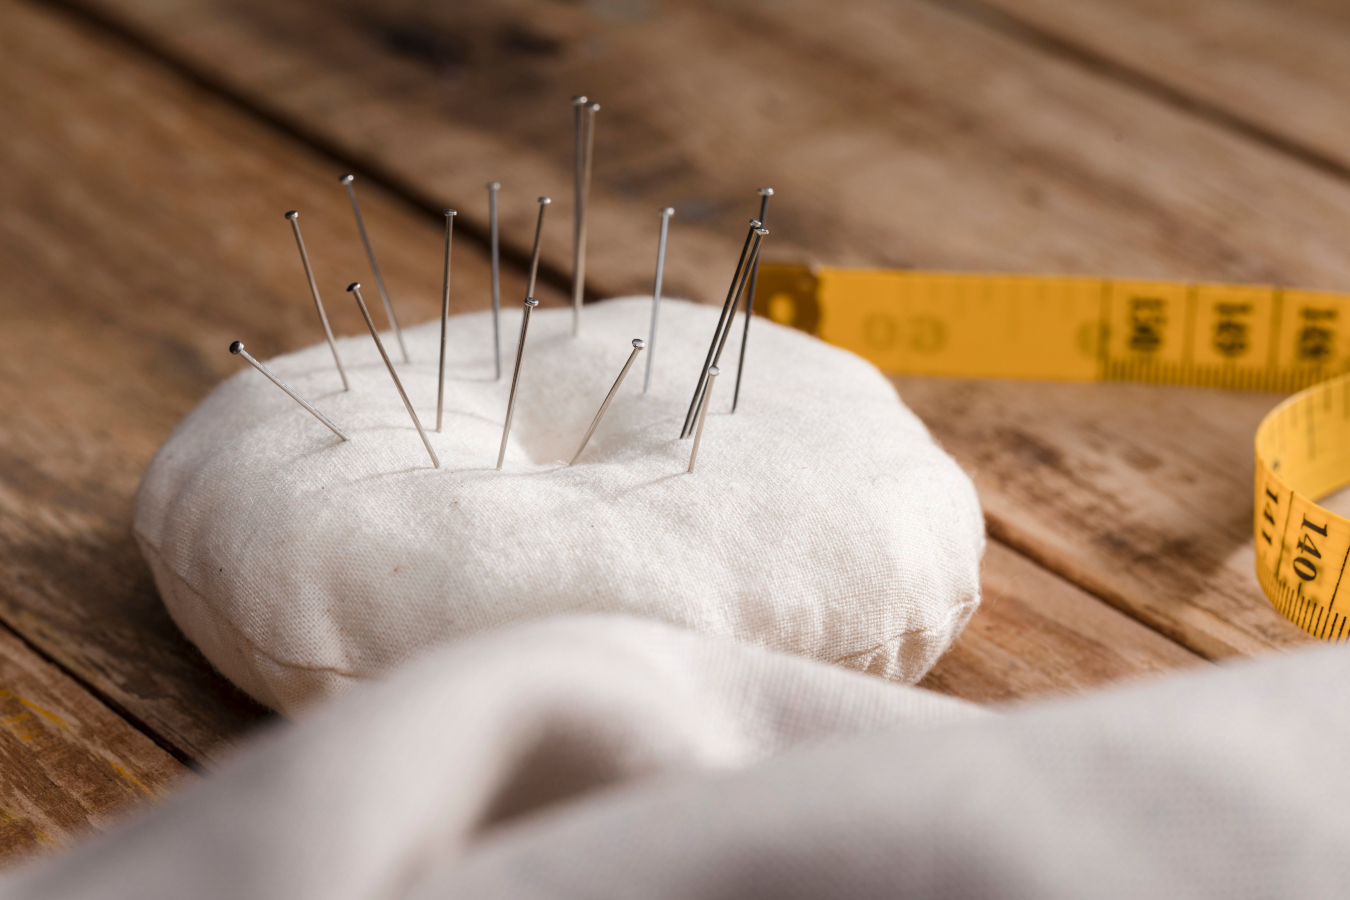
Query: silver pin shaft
[[492, 188], [237, 348], [656, 293], [355, 289], [722, 320], [585, 146], [374, 266], [534, 254], [530, 303], [721, 344], [702, 417], [638, 344], [293, 217], [445, 315], [764, 195]]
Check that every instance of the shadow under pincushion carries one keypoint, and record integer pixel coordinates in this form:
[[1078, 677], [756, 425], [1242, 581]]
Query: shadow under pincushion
[[821, 520]]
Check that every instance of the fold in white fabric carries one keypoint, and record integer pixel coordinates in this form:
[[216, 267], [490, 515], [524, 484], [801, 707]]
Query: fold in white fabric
[[608, 758], [367, 795]]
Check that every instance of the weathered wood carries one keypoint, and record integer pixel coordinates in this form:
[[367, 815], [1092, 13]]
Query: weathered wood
[[1141, 495], [896, 134], [141, 231], [68, 764], [1035, 634], [1275, 69]]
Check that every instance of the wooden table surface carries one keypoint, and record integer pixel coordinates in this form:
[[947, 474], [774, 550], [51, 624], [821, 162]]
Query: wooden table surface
[[151, 146]]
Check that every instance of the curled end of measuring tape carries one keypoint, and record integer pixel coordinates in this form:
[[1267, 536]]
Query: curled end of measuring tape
[[1303, 454]]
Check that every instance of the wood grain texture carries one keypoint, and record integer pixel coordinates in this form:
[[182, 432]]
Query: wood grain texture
[[141, 231], [1277, 68], [68, 764], [1139, 494], [1035, 635], [896, 134]]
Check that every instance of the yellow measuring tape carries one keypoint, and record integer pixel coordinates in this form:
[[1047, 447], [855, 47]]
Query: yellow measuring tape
[[1241, 337]]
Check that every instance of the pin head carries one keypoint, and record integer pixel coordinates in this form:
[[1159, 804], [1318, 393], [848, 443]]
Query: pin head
[[594, 107], [236, 347], [494, 185], [544, 201], [292, 215], [756, 223], [531, 302], [450, 212], [714, 371], [347, 179], [761, 231], [668, 211], [639, 343], [766, 192], [578, 100], [354, 286]]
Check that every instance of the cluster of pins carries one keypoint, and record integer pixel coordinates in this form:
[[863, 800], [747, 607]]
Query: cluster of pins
[[742, 284]]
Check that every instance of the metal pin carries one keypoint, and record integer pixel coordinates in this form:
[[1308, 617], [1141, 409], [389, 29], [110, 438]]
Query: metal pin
[[355, 290], [721, 344], [713, 372], [764, 195], [445, 314], [374, 266], [237, 348], [530, 303], [293, 217], [534, 254], [585, 143], [721, 323], [493, 187], [760, 233], [638, 344], [656, 292]]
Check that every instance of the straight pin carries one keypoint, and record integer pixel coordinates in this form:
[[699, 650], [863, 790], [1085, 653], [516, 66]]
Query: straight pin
[[585, 144], [760, 233], [493, 187], [638, 344], [656, 292], [293, 217], [534, 254], [530, 303], [445, 315], [764, 195], [237, 348], [713, 372], [721, 323], [355, 290], [374, 266]]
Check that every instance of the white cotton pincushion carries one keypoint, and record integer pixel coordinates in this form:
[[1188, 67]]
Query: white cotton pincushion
[[822, 519]]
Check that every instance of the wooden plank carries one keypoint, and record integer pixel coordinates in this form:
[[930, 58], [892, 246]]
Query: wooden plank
[[1035, 634], [141, 231], [896, 134], [70, 764], [1275, 69], [1142, 495]]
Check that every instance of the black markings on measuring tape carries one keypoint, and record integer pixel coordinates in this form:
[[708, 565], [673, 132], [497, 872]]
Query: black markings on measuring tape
[[1341, 629], [1337, 589], [1280, 557], [1304, 567], [1307, 571]]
